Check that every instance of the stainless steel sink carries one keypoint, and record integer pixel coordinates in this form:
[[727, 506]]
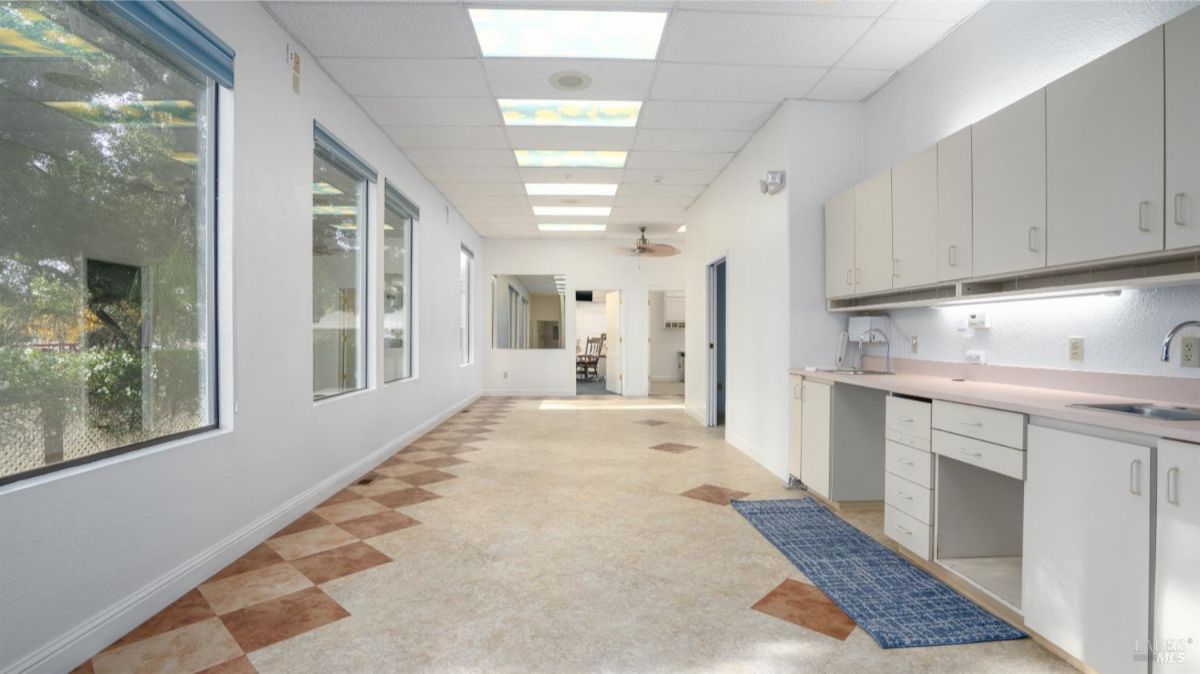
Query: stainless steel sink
[[1146, 410]]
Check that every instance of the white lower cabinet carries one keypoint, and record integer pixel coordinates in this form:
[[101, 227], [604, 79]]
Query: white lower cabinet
[[1177, 570], [908, 482], [1086, 566], [795, 423], [816, 422]]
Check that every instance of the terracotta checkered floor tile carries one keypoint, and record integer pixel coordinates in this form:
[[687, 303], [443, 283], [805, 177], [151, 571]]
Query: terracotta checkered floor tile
[[673, 447], [378, 524], [252, 587], [714, 494], [340, 512], [273, 621], [237, 666], [806, 606], [189, 649], [402, 469], [258, 557], [406, 497], [442, 462], [343, 495], [307, 521], [190, 608], [454, 451], [338, 562], [309, 542], [427, 477]]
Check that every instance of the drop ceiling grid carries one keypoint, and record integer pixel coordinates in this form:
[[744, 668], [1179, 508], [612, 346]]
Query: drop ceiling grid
[[722, 68]]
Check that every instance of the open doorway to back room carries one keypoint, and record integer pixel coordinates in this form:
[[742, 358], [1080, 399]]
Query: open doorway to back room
[[716, 343], [666, 354], [597, 342]]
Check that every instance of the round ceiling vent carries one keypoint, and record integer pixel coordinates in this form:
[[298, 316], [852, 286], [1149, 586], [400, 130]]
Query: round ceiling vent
[[570, 80]]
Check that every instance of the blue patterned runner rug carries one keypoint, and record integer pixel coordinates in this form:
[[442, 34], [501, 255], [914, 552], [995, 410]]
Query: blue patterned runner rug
[[897, 603]]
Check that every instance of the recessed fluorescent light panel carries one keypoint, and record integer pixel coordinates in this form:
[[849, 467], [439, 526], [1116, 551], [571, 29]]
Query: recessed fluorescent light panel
[[569, 113], [570, 158], [682, 229], [568, 33], [586, 211], [571, 227], [570, 189]]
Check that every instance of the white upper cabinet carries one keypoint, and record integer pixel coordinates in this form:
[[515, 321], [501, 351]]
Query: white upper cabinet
[[1183, 131], [1104, 156], [873, 233], [954, 206], [915, 220], [1008, 165], [839, 245]]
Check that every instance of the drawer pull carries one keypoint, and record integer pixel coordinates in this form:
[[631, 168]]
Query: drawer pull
[[1135, 477], [974, 454], [974, 424], [907, 420], [1143, 216], [1173, 485], [903, 495], [905, 462], [904, 529]]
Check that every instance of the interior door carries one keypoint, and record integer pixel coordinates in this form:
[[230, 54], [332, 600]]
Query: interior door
[[613, 379]]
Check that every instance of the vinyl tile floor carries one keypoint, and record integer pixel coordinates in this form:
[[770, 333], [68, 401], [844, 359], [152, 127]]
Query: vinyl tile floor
[[590, 534]]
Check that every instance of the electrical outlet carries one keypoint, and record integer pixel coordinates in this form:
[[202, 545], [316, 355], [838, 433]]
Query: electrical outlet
[[1189, 352], [915, 346], [505, 375], [977, 321], [977, 357], [1075, 348]]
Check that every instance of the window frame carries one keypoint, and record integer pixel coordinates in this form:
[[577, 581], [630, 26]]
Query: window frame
[[179, 43], [334, 151], [394, 200]]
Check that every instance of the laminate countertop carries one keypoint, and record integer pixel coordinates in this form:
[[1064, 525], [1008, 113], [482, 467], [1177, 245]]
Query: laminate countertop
[[1037, 401]]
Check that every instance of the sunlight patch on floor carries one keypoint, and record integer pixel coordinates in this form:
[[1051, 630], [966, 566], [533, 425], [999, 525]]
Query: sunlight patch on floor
[[615, 404]]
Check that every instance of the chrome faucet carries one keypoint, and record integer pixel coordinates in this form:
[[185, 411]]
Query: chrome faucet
[[876, 331], [1166, 354]]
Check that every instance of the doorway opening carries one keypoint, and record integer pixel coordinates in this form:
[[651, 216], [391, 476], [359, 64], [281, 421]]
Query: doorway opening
[[598, 364], [716, 343], [665, 357]]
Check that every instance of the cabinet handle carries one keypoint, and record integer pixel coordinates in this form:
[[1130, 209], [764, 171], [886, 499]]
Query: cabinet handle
[[895, 267], [1143, 216], [1180, 216], [904, 529], [952, 256], [1173, 485], [905, 462], [1033, 239], [976, 424], [903, 495], [907, 420], [849, 277], [1135, 477], [974, 454]]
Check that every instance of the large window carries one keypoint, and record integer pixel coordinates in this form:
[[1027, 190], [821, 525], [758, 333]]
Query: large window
[[107, 181], [466, 272], [339, 248], [399, 215]]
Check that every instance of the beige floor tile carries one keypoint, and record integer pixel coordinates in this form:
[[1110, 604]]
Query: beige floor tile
[[252, 587], [310, 542], [187, 649]]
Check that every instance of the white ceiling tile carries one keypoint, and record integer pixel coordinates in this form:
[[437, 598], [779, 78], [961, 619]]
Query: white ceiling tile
[[691, 139], [446, 174], [407, 77], [626, 213], [646, 159], [571, 201], [468, 200], [767, 39], [699, 82], [574, 175], [934, 10], [431, 157], [655, 202], [484, 219], [631, 230], [870, 8], [456, 189], [448, 136], [636, 190], [569, 138], [431, 111], [614, 80], [892, 44], [662, 176], [378, 28], [849, 84], [707, 115], [491, 212]]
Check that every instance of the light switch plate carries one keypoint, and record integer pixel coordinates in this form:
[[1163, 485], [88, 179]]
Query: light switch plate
[[977, 357], [915, 345], [1075, 348], [1189, 352]]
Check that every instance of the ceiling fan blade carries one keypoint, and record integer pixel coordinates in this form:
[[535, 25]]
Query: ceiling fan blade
[[659, 249]]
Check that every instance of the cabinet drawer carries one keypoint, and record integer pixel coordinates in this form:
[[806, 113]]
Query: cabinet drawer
[[907, 440], [907, 497], [911, 464], [908, 416], [907, 531], [1003, 460], [1002, 428]]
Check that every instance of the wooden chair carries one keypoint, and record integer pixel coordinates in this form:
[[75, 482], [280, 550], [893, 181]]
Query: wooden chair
[[587, 363]]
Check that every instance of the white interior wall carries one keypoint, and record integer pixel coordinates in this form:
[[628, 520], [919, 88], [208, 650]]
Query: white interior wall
[[1002, 53], [665, 343], [95, 550], [587, 264]]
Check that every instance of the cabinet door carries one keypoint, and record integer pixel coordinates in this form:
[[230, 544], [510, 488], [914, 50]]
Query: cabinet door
[[1008, 170], [873, 233], [1104, 156], [1183, 131], [954, 206], [815, 431], [915, 220], [1177, 584], [1086, 569], [839, 245], [795, 423]]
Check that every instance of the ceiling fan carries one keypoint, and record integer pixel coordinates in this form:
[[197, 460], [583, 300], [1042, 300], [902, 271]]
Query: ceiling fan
[[644, 247]]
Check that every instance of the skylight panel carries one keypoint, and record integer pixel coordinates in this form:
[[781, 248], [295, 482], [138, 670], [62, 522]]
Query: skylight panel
[[534, 112], [572, 210], [570, 158], [570, 189], [571, 227], [568, 33]]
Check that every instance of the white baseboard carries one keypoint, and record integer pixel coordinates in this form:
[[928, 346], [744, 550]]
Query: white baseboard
[[666, 377], [696, 413], [755, 452], [97, 632], [529, 392]]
